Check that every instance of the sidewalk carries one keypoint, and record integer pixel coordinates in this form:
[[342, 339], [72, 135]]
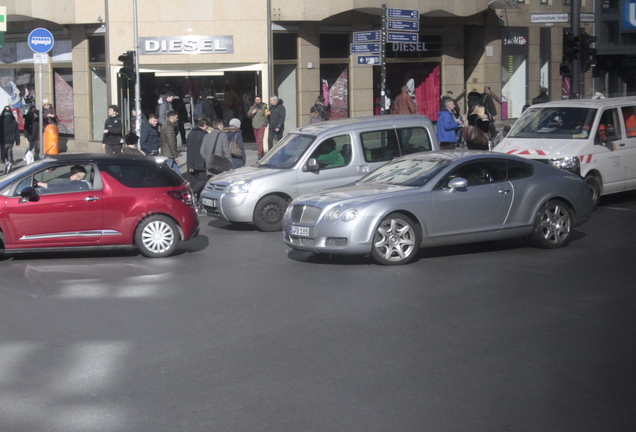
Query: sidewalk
[[250, 150]]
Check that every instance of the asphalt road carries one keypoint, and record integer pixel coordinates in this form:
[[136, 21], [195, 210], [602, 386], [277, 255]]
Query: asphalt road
[[232, 334]]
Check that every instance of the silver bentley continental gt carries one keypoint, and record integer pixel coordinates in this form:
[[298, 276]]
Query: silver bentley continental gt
[[440, 198]]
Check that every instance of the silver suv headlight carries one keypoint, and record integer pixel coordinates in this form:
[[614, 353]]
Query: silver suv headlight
[[239, 187], [569, 163]]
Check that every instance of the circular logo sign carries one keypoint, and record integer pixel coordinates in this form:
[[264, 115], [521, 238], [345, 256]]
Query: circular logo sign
[[40, 41]]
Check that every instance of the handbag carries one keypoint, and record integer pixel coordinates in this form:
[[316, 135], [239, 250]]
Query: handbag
[[235, 150], [218, 164], [474, 136]]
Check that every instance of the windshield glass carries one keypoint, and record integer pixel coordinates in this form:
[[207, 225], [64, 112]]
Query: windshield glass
[[288, 151], [8, 178], [407, 172], [554, 123]]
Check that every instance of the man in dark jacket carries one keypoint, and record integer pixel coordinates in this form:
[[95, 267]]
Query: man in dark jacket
[[542, 98], [10, 135], [112, 140], [276, 118], [168, 141], [194, 159], [149, 140], [32, 131], [488, 99]]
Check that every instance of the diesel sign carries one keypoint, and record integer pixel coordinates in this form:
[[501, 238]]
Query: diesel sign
[[187, 45], [414, 46]]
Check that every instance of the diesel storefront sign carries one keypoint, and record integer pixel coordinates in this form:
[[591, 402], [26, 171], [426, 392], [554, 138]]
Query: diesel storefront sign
[[187, 45]]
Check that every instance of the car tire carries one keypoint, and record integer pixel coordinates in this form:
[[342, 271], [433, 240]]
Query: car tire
[[595, 186], [396, 240], [553, 225], [157, 236], [269, 212]]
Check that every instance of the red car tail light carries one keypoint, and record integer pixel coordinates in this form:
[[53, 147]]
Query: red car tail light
[[183, 195]]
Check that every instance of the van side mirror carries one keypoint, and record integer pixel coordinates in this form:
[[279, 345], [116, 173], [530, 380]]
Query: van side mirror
[[312, 165], [506, 130]]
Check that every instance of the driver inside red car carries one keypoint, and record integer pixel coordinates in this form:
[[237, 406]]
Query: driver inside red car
[[76, 182]]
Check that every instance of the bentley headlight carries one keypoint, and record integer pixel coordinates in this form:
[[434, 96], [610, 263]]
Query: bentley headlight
[[333, 215], [569, 164], [239, 187], [336, 213], [349, 215]]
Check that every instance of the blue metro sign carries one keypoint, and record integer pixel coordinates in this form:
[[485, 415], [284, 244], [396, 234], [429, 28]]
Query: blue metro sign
[[404, 14]]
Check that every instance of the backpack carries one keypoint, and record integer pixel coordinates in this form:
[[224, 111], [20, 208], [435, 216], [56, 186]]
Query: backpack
[[235, 150], [198, 110]]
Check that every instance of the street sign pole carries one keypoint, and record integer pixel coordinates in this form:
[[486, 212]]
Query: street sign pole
[[383, 62], [575, 17], [137, 83], [40, 41]]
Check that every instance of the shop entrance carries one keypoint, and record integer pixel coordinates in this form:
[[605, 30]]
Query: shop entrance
[[231, 94], [426, 83]]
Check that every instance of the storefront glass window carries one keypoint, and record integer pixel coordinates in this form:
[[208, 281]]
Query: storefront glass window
[[99, 101], [16, 88], [96, 49], [285, 46], [63, 96], [334, 46]]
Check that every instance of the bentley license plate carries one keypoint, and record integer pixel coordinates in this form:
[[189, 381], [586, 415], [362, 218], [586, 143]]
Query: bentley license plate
[[208, 202], [300, 231]]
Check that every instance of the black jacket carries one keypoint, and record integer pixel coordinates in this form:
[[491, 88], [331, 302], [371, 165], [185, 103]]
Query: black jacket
[[277, 114], [10, 129], [114, 127], [193, 144]]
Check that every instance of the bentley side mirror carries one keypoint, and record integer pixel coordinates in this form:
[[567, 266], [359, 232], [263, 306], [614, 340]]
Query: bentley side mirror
[[457, 183]]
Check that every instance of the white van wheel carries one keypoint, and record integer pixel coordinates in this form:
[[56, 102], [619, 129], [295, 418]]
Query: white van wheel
[[595, 186]]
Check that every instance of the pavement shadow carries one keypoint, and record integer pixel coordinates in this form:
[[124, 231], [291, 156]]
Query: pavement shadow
[[196, 244], [231, 226], [425, 252]]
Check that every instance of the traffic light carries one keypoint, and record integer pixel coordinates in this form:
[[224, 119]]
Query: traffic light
[[128, 69], [588, 54], [566, 69], [571, 47]]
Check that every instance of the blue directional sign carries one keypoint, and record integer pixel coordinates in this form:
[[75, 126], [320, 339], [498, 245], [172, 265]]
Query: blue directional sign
[[404, 25], [369, 60], [404, 13], [365, 48], [629, 15], [367, 36], [402, 37], [41, 41]]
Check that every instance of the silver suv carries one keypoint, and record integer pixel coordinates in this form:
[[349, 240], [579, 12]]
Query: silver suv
[[310, 159]]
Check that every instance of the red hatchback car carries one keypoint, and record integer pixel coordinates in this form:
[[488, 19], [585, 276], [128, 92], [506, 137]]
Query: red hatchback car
[[76, 201]]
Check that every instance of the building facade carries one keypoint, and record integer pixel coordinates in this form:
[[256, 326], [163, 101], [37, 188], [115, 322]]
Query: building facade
[[296, 49]]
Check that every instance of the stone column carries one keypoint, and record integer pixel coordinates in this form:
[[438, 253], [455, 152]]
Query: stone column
[[308, 69], [81, 91]]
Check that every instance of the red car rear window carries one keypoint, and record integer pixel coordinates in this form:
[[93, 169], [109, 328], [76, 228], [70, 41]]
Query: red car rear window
[[146, 175]]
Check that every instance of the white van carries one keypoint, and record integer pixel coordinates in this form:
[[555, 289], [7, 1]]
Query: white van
[[593, 138]]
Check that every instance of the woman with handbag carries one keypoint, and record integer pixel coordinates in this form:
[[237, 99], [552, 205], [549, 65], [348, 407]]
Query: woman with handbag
[[235, 138], [476, 133]]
